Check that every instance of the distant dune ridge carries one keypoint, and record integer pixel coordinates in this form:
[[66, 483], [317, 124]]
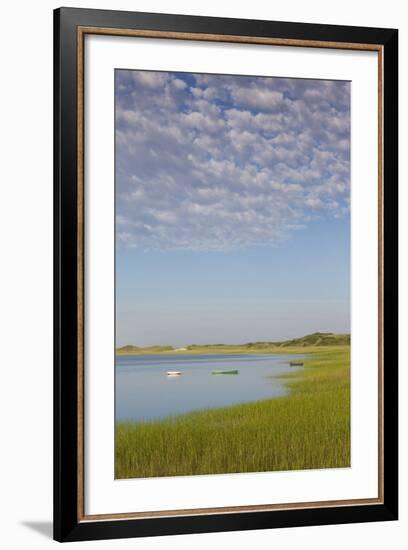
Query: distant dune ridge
[[319, 339], [315, 339]]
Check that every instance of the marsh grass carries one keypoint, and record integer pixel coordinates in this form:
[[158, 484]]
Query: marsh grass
[[308, 428]]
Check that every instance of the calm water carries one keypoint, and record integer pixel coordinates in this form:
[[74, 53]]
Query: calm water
[[145, 392]]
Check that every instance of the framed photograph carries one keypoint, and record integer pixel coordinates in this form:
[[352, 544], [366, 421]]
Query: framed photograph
[[225, 274]]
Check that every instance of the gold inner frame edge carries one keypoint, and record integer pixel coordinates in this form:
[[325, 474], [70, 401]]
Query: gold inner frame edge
[[81, 33]]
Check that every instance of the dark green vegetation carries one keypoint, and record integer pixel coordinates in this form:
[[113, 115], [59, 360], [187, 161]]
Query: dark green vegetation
[[309, 428], [318, 339], [322, 339]]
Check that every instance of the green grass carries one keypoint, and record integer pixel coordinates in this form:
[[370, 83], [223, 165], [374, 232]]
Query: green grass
[[309, 428], [317, 339]]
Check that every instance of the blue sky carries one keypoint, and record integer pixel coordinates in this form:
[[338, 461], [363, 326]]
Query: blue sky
[[232, 207]]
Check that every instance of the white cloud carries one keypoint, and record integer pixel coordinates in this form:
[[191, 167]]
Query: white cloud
[[258, 99], [214, 162]]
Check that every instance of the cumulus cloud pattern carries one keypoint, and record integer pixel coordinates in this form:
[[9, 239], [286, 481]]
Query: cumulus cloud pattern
[[214, 162]]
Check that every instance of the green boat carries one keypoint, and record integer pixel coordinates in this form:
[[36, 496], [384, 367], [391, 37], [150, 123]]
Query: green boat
[[296, 363], [225, 372]]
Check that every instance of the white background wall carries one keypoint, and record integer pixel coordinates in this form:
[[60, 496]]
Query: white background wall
[[26, 272]]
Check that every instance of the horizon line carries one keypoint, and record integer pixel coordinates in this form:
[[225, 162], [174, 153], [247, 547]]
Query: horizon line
[[238, 344]]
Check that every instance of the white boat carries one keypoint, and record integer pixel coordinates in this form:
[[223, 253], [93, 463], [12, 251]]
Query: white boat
[[173, 373]]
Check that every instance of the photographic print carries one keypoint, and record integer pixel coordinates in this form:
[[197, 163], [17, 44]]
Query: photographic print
[[232, 274], [225, 274]]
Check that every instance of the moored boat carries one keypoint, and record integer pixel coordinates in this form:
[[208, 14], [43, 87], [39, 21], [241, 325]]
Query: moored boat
[[224, 372], [173, 373]]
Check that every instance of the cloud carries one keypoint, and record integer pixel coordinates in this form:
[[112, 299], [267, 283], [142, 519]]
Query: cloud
[[258, 99], [209, 162]]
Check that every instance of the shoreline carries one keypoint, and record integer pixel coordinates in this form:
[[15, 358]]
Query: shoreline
[[226, 350], [316, 340]]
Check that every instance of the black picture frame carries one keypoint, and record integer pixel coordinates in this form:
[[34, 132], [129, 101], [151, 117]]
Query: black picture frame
[[68, 525]]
